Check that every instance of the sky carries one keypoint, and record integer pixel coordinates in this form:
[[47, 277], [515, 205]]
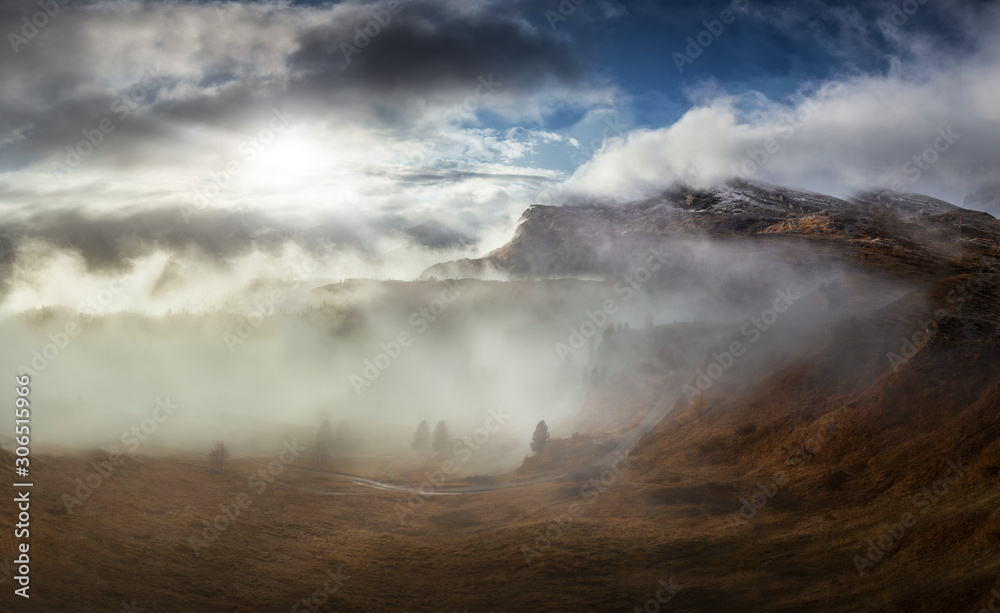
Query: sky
[[408, 132]]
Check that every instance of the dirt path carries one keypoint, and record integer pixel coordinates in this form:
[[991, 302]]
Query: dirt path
[[458, 490], [454, 491]]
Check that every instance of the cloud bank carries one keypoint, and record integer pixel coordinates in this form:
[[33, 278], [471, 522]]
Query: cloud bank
[[929, 124]]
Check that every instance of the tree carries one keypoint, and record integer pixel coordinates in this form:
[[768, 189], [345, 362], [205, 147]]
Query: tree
[[440, 437], [422, 438], [218, 455], [540, 437], [324, 443], [342, 439]]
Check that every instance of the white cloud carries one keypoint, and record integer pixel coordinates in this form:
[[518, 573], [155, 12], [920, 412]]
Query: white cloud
[[838, 136], [373, 143]]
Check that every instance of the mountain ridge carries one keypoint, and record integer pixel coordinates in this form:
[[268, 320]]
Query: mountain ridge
[[894, 231]]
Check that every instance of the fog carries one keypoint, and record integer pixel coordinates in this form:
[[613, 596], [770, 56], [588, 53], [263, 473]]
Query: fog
[[253, 344]]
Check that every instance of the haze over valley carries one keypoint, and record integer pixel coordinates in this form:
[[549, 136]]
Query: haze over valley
[[499, 306]]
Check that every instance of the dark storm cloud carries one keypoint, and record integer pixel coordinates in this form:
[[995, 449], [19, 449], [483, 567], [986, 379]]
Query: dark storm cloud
[[445, 176], [428, 47], [44, 131], [224, 65], [113, 242], [437, 235]]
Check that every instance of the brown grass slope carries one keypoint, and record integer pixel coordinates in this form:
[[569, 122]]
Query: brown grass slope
[[896, 432], [668, 513]]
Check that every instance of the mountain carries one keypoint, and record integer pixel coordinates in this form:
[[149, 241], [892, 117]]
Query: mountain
[[905, 234], [844, 456]]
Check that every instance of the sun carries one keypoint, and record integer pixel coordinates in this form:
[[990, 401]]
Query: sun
[[289, 156]]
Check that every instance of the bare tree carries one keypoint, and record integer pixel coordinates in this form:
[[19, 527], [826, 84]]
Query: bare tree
[[540, 437], [218, 455]]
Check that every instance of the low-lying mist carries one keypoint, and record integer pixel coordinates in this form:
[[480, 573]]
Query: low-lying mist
[[277, 343]]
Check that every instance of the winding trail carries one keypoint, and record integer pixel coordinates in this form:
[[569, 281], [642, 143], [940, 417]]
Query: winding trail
[[454, 491], [459, 490]]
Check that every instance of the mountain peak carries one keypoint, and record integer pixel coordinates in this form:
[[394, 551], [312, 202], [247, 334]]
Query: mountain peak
[[892, 229]]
